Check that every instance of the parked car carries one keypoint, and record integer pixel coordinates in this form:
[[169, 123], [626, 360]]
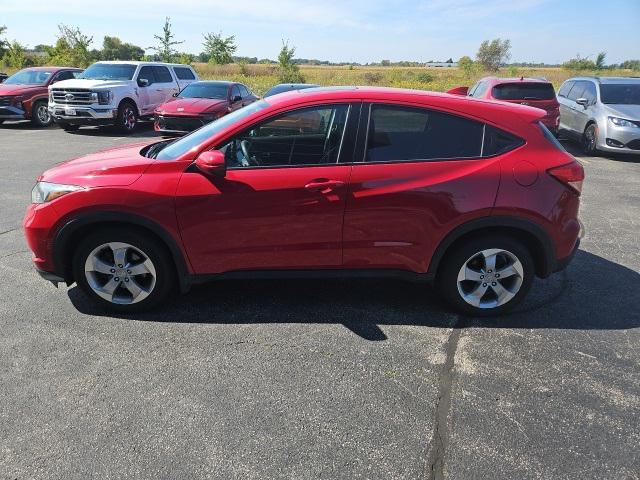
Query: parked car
[[287, 87], [200, 103], [603, 113], [536, 92], [116, 93], [477, 197], [3, 77], [23, 96]]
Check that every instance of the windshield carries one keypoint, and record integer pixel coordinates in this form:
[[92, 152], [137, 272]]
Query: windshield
[[29, 77], [524, 91], [109, 71], [205, 90], [623, 94], [182, 146]]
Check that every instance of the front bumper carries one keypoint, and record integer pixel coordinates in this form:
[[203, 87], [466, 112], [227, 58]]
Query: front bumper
[[12, 113], [619, 139], [83, 115], [171, 125]]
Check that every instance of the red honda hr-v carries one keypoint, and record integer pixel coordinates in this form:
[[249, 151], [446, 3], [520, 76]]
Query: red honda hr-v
[[475, 196]]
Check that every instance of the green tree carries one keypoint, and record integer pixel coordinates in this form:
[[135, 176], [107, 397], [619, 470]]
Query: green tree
[[71, 48], [114, 49], [3, 41], [492, 54], [466, 65], [631, 64], [14, 55], [288, 70], [600, 60], [166, 41], [579, 63], [219, 49]]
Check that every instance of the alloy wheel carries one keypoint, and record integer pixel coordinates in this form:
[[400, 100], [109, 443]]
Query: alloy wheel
[[42, 112], [128, 117], [120, 273], [490, 278]]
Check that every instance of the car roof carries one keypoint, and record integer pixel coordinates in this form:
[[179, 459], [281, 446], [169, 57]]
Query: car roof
[[608, 80], [499, 112], [501, 80], [215, 82], [135, 62], [52, 69]]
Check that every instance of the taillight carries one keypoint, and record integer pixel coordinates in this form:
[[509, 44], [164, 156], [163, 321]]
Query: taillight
[[571, 174]]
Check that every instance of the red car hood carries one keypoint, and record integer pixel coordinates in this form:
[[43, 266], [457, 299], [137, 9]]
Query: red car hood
[[191, 106], [113, 167], [19, 89]]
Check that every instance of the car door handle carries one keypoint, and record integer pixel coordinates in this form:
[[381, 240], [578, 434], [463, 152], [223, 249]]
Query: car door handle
[[323, 186]]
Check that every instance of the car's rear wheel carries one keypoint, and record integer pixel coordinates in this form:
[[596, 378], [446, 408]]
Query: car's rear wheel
[[590, 139], [127, 119], [40, 115], [487, 275], [126, 271]]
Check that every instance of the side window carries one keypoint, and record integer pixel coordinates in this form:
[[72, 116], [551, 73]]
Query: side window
[[146, 73], [497, 141], [473, 89], [309, 136], [590, 92], [184, 73], [565, 88], [162, 74], [244, 91], [235, 92], [405, 133], [482, 87], [65, 75], [576, 91]]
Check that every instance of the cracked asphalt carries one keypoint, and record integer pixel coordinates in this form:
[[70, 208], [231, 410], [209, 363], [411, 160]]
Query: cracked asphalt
[[314, 379]]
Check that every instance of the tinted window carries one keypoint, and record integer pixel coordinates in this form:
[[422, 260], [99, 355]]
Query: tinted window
[[286, 87], [147, 74], [404, 133], [109, 71], [66, 75], [244, 91], [565, 88], [576, 91], [589, 92], [205, 90], [184, 73], [524, 91], [620, 94], [235, 92], [310, 136], [162, 75], [497, 141]]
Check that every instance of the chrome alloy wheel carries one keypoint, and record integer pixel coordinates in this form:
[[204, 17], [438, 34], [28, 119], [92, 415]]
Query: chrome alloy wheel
[[490, 278], [128, 117], [42, 112], [120, 273]]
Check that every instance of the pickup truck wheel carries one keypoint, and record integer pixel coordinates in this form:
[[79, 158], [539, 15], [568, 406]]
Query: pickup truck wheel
[[40, 116], [127, 117]]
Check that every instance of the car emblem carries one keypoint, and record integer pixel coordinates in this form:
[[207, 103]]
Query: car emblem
[[180, 109], [525, 103], [69, 96]]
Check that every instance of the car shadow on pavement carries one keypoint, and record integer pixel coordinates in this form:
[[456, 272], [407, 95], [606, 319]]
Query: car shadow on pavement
[[573, 147], [593, 293], [144, 130]]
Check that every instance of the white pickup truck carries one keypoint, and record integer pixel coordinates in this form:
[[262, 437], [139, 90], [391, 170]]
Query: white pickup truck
[[116, 93]]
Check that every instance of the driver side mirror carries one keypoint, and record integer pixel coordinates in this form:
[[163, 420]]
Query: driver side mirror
[[143, 82], [235, 99], [175, 94], [582, 101], [212, 163]]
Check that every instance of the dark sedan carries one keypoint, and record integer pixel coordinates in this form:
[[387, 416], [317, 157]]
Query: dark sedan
[[286, 87]]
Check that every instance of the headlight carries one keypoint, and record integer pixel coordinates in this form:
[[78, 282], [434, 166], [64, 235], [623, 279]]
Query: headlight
[[621, 122], [104, 97], [45, 192]]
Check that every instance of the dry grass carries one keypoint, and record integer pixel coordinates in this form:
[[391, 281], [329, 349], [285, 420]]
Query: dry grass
[[260, 77]]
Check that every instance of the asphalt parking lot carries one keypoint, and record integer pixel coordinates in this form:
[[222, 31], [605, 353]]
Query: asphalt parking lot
[[322, 379]]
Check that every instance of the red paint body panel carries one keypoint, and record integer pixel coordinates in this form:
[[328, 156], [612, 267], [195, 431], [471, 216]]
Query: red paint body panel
[[391, 215]]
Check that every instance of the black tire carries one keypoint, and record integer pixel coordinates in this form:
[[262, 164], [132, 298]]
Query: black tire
[[165, 278], [40, 116], [447, 278], [127, 119], [590, 140]]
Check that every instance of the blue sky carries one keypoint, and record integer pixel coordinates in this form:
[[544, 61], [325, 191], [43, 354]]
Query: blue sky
[[341, 30]]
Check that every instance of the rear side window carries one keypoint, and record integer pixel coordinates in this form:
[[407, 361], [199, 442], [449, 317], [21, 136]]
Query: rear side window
[[576, 91], [550, 137], [405, 133], [524, 91], [184, 73], [163, 75], [497, 141], [480, 89], [565, 88]]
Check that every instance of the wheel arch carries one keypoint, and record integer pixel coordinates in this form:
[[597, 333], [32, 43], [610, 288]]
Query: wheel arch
[[71, 232], [527, 232], [131, 101]]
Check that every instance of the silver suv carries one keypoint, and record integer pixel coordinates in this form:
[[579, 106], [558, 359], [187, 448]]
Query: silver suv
[[603, 113]]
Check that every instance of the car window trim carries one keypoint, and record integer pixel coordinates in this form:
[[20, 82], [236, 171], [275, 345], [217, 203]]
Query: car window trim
[[350, 109]]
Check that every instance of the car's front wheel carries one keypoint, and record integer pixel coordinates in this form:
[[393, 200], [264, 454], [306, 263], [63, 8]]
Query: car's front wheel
[[127, 119], [487, 276], [40, 115], [590, 139], [123, 270]]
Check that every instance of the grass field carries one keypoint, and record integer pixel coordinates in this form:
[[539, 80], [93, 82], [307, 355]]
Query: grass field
[[260, 77]]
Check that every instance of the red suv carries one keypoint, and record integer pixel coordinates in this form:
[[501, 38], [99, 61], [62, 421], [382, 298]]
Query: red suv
[[536, 92], [24, 95], [474, 196]]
